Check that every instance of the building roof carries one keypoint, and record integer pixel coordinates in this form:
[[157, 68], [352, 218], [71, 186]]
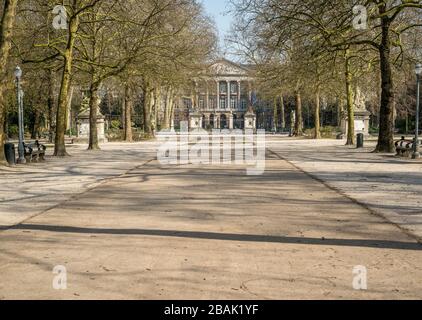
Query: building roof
[[224, 67]]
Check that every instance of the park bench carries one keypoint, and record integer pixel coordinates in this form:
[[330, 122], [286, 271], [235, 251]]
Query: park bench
[[404, 148], [34, 152], [69, 141]]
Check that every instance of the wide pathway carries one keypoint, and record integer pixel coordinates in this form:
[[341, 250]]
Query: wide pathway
[[197, 232]]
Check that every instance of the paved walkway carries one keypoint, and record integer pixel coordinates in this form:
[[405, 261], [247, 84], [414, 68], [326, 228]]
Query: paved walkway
[[389, 186], [194, 232], [29, 190]]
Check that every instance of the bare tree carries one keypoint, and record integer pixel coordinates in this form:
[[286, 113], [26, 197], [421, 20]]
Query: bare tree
[[8, 15]]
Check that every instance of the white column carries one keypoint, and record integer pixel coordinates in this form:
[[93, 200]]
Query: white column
[[231, 122], [218, 95], [207, 98], [238, 95], [197, 95], [228, 95], [249, 93], [194, 101]]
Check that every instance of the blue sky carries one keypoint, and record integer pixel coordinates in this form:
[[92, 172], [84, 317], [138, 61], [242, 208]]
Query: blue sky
[[218, 9]]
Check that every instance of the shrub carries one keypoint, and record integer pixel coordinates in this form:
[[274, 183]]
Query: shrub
[[13, 131], [373, 130], [115, 124], [327, 132], [71, 132]]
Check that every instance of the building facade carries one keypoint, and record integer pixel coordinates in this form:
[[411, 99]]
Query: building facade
[[220, 99]]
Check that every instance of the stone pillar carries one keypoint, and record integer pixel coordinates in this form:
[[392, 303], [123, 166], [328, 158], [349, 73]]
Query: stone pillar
[[207, 98], [197, 96], [238, 95], [218, 95], [250, 120], [249, 93], [231, 125], [228, 95], [195, 121], [172, 125]]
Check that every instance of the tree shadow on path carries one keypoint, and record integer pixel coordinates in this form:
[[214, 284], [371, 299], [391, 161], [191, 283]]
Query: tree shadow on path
[[379, 244]]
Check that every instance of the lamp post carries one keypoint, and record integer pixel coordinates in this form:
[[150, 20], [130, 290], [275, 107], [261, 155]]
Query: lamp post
[[418, 71], [19, 94]]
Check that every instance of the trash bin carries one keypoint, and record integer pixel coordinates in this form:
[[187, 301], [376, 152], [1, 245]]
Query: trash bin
[[360, 140], [9, 152]]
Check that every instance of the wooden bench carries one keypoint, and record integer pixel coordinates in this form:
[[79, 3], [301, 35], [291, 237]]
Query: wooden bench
[[34, 152], [404, 148]]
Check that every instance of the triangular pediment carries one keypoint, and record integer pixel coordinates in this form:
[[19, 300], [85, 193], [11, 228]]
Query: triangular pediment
[[226, 67]]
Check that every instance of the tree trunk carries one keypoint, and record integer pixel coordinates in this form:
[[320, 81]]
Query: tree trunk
[[128, 136], [386, 121], [275, 115], [283, 113], [168, 110], [59, 143], [317, 134], [6, 28], [35, 134], [299, 116], [155, 109], [69, 110], [123, 115], [2, 134], [173, 107], [340, 108], [147, 111], [350, 106], [150, 113], [93, 117], [50, 105]]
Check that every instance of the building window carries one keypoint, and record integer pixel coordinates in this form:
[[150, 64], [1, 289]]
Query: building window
[[187, 103], [223, 87], [213, 102], [233, 88], [233, 103], [222, 103], [201, 102], [243, 104]]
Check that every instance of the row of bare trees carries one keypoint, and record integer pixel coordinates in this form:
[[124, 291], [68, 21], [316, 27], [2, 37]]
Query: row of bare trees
[[137, 46], [331, 47]]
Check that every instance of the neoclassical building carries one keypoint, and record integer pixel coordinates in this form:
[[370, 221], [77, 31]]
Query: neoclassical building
[[221, 98]]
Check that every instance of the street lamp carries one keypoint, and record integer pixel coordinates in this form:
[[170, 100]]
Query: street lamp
[[418, 71], [19, 94]]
